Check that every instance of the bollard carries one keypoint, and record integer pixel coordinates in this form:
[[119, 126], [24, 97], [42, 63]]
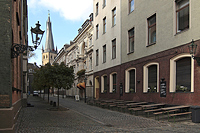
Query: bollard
[[51, 102], [54, 104]]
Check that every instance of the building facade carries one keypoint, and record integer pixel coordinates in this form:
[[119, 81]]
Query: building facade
[[13, 33], [79, 55], [155, 62], [31, 70], [107, 47]]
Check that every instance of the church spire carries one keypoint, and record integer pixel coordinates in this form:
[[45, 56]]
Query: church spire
[[49, 45]]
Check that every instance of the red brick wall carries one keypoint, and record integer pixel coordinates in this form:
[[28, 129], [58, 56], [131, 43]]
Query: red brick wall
[[163, 58], [16, 62]]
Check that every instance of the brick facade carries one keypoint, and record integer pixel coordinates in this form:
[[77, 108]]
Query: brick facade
[[163, 59], [11, 85]]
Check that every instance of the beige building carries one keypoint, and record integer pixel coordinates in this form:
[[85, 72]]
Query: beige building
[[79, 55], [107, 43], [156, 64]]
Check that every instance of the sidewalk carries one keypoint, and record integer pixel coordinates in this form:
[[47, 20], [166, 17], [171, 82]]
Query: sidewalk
[[38, 119], [83, 118]]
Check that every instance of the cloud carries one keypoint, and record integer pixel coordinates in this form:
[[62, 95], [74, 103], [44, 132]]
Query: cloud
[[69, 9]]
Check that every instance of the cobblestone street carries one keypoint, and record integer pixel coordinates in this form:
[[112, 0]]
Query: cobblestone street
[[85, 118]]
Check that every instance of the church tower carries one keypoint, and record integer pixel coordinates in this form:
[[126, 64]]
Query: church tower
[[49, 53]]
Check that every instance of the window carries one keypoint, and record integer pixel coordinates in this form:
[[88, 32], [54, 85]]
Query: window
[[131, 40], [131, 5], [130, 80], [182, 15], [104, 53], [182, 66], [151, 77], [152, 30], [104, 25], [97, 31], [183, 69], [90, 62], [114, 17], [104, 84], [104, 3], [97, 57], [90, 42], [97, 9], [113, 83], [85, 65], [114, 49]]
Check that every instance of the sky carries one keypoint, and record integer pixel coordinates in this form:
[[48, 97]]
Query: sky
[[66, 17]]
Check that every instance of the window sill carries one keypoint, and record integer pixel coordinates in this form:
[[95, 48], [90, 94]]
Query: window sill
[[130, 92], [113, 26], [130, 52], [177, 33], [151, 44], [181, 92], [112, 92], [130, 12], [150, 92]]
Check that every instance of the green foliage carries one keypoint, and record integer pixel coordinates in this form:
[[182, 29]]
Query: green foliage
[[181, 88], [131, 90], [58, 76], [81, 73], [62, 76], [152, 89]]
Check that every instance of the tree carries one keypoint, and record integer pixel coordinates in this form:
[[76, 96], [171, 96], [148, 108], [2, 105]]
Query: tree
[[58, 76], [63, 77]]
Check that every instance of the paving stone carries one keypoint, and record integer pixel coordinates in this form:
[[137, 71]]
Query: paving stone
[[83, 118]]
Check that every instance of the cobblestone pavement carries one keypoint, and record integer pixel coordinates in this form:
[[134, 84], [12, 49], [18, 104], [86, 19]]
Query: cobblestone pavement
[[83, 118]]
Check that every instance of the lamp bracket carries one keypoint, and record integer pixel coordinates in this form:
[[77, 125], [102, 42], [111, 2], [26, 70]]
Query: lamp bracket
[[17, 49], [197, 59]]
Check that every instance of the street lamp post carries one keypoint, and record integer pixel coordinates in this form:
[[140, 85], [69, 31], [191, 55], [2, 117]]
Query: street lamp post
[[192, 48], [37, 35], [85, 80]]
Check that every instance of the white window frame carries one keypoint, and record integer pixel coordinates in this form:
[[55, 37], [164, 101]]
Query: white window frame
[[102, 83], [172, 86], [127, 79], [145, 78], [111, 81]]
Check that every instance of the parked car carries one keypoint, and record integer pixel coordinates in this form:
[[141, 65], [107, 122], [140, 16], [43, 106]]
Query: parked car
[[35, 93]]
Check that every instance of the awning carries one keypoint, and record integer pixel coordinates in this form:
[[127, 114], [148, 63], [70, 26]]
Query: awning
[[81, 86]]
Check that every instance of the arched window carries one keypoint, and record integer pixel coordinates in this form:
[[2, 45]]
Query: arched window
[[130, 80], [104, 84], [182, 73], [113, 82], [151, 77]]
